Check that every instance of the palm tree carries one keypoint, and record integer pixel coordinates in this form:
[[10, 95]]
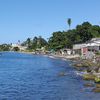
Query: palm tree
[[28, 41], [69, 21]]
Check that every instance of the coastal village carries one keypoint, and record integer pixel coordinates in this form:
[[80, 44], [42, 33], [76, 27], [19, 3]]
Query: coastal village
[[86, 56], [49, 50], [86, 50], [80, 45]]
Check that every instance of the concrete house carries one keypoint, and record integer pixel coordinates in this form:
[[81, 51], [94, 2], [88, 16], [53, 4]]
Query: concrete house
[[66, 51], [22, 48], [88, 49]]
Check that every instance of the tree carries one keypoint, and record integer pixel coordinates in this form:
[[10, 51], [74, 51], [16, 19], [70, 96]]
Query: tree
[[81, 34], [5, 47], [69, 22], [61, 39], [28, 43], [84, 31], [57, 40], [42, 42], [95, 31], [36, 42]]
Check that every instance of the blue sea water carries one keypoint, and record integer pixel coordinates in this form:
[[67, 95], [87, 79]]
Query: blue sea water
[[36, 77]]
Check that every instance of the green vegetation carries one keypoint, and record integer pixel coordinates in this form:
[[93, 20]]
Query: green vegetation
[[61, 39], [82, 33], [35, 43], [97, 79], [5, 47]]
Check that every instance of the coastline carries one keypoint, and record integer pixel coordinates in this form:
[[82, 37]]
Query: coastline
[[64, 57], [87, 69]]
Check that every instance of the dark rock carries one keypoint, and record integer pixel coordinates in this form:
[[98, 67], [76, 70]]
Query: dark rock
[[97, 90], [89, 77], [97, 85], [89, 85], [62, 74], [78, 65]]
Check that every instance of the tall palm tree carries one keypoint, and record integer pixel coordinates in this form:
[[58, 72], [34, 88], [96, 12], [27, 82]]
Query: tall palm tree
[[69, 21], [28, 41]]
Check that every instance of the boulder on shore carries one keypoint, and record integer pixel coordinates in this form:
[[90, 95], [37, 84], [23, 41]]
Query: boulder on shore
[[62, 74], [97, 79], [89, 77], [97, 85], [97, 90], [89, 85]]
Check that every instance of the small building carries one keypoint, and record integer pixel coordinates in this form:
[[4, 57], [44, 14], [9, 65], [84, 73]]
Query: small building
[[21, 48], [66, 51], [80, 48], [88, 49]]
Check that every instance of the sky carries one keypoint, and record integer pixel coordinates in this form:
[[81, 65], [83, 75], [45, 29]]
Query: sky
[[20, 19]]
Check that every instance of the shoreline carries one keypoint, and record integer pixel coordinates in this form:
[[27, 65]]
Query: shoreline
[[87, 69], [64, 57]]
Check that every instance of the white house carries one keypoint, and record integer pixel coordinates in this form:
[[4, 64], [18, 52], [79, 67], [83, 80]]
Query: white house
[[22, 48], [88, 48]]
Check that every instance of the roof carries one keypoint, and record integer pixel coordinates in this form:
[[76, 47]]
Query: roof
[[79, 46], [92, 42]]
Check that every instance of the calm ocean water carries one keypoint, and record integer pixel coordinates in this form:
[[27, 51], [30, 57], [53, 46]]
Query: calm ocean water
[[35, 77]]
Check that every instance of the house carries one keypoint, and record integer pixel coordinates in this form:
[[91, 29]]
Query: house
[[22, 48], [66, 51], [88, 49]]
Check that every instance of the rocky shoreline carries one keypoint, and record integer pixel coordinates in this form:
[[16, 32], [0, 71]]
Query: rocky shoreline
[[90, 70]]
